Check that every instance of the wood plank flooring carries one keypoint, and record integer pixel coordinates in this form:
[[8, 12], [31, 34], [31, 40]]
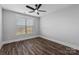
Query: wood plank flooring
[[36, 46]]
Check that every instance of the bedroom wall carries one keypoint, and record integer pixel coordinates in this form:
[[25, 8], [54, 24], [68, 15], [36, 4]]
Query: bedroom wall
[[62, 26], [9, 26], [0, 24]]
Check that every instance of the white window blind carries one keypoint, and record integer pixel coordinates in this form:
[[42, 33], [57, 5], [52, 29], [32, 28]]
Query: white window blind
[[24, 26]]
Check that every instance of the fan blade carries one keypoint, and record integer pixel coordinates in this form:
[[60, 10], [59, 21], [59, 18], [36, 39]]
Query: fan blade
[[41, 10], [31, 11], [36, 5], [37, 13], [30, 7], [39, 6]]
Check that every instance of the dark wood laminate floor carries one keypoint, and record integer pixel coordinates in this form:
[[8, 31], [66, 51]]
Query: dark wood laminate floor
[[36, 46]]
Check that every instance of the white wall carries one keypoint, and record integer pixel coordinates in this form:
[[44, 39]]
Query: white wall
[[62, 25], [9, 26], [0, 24]]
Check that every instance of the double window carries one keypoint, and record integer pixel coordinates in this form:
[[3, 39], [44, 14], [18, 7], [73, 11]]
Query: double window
[[24, 26]]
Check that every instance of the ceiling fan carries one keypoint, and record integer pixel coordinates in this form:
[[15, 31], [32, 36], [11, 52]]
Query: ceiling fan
[[36, 9]]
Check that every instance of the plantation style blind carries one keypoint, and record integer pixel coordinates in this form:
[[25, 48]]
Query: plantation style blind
[[24, 26]]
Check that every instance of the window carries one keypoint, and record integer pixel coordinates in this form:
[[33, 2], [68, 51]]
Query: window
[[24, 26], [29, 26]]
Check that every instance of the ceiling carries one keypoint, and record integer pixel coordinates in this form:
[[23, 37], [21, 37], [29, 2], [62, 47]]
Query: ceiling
[[22, 9]]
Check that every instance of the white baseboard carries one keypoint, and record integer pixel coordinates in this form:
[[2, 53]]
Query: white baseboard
[[5, 42], [63, 43]]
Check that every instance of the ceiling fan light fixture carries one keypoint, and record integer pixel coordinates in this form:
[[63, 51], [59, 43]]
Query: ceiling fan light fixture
[[36, 11]]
